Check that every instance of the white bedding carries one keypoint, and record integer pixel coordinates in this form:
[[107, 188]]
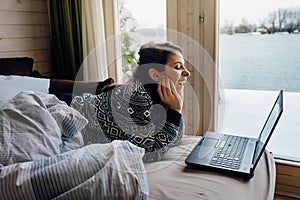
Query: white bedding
[[99, 171], [42, 155], [36, 125]]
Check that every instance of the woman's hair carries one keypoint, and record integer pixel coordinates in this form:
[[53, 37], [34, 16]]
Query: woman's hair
[[154, 55]]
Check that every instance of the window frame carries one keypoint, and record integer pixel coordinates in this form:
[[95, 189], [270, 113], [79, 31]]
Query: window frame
[[184, 16]]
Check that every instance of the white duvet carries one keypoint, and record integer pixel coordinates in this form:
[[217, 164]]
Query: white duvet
[[42, 155]]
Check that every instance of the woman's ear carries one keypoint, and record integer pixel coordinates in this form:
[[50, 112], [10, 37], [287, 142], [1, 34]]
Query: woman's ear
[[154, 74]]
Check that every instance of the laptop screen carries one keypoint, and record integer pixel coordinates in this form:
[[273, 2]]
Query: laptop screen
[[268, 127]]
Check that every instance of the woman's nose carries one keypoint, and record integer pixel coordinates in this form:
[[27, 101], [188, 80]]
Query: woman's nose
[[186, 73]]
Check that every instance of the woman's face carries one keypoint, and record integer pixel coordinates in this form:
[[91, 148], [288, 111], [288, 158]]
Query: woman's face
[[176, 71]]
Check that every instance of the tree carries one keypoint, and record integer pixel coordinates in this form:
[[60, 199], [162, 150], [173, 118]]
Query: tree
[[282, 15], [287, 19], [271, 19], [129, 37], [228, 28], [245, 27]]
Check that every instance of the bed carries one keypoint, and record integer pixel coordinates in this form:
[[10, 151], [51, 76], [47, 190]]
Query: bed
[[43, 156]]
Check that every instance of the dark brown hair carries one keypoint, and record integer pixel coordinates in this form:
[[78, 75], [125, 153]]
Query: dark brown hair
[[154, 55]]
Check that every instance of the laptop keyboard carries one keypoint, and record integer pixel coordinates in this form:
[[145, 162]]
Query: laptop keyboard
[[230, 152]]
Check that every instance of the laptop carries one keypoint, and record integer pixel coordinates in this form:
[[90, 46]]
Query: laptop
[[232, 154]]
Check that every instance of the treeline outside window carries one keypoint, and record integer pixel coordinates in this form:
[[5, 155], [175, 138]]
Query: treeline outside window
[[279, 20]]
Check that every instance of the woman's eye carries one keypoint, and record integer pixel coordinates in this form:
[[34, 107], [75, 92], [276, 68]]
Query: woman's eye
[[177, 67]]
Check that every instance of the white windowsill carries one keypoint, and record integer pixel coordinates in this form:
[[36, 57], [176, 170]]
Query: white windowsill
[[244, 112]]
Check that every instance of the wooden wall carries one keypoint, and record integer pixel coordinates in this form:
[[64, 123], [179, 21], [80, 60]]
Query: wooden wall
[[24, 31], [197, 37], [288, 179]]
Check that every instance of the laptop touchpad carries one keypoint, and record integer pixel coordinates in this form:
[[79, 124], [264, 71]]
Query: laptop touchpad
[[209, 142], [207, 146]]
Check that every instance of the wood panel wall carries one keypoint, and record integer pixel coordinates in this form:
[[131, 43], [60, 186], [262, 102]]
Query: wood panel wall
[[288, 179], [182, 17], [24, 32], [197, 37]]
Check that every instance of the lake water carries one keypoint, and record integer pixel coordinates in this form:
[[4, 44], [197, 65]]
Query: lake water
[[262, 62]]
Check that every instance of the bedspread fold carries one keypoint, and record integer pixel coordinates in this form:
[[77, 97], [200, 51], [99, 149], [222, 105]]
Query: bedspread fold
[[98, 171]]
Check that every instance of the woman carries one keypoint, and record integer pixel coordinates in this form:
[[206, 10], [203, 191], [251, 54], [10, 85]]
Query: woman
[[146, 110]]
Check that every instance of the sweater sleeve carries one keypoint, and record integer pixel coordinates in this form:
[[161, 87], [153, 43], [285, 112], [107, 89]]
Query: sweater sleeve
[[173, 117], [159, 136], [131, 116]]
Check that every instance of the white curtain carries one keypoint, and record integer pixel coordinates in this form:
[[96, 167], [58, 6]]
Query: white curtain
[[94, 66]]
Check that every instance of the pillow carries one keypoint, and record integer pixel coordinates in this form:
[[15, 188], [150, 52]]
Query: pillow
[[78, 87], [11, 85], [16, 66]]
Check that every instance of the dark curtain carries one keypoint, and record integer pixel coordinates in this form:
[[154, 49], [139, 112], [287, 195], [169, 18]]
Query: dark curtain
[[66, 38]]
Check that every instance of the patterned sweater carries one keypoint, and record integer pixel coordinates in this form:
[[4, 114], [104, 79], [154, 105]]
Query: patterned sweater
[[127, 112]]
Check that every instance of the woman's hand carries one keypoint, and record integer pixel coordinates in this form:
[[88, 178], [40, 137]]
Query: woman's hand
[[168, 94]]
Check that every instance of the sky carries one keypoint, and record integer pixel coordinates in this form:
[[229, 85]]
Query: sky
[[151, 13], [252, 10]]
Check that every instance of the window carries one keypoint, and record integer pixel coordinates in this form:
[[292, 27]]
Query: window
[[139, 24], [257, 57]]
